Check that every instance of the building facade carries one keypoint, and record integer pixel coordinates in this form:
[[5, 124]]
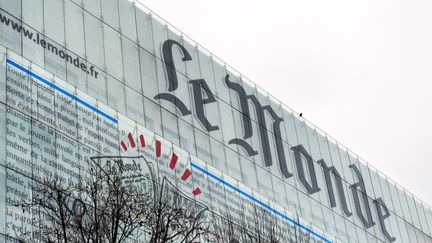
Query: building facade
[[86, 78]]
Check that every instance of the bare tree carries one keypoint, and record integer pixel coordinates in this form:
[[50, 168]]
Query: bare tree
[[260, 227], [177, 218], [107, 205]]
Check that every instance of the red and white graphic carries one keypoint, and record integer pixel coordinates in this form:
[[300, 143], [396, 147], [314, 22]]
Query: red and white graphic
[[129, 142]]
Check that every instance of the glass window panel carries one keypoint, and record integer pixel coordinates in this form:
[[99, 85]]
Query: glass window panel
[[406, 215], [262, 96], [2, 74], [127, 19], [305, 209], [274, 154], [2, 134], [234, 99], [170, 127], [145, 30], [116, 95], [43, 97], [54, 20], [291, 134], [68, 168], [375, 184], [329, 221], [8, 37], [249, 175], [74, 22], [86, 123], [371, 238], [177, 54], [113, 52], [110, 143], [131, 64], [110, 13], [17, 83], [206, 70], [318, 218], [135, 106], [233, 163], [187, 139], [336, 159], [30, 49], [202, 141], [152, 116], [395, 199], [2, 199], [218, 155], [160, 35], [93, 6], [94, 39], [222, 90], [422, 217], [193, 66], [325, 151], [182, 93], [413, 210], [12, 7], [150, 85], [352, 232], [163, 88], [340, 228], [289, 156], [420, 236], [411, 232], [75, 68], [389, 203], [228, 124], [98, 87], [32, 11], [265, 186], [212, 114], [361, 234], [200, 180], [55, 59], [364, 170], [313, 144], [292, 198], [16, 193], [428, 213], [78, 2], [77, 77], [238, 132], [19, 146], [217, 192]]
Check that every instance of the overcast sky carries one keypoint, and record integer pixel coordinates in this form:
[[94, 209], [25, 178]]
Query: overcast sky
[[359, 70]]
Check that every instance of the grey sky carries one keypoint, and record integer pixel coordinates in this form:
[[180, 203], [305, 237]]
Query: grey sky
[[359, 70]]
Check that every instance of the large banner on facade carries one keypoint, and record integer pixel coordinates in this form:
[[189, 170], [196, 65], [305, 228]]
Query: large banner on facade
[[52, 129]]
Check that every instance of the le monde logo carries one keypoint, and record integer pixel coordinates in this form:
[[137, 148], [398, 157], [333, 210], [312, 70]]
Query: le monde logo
[[249, 103]]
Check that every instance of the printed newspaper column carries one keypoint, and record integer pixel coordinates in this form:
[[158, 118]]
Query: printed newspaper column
[[2, 74], [2, 167]]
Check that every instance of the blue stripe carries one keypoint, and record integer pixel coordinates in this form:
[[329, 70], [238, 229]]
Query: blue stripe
[[78, 100], [265, 205]]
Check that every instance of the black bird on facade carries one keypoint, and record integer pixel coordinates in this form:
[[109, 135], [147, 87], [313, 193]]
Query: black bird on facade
[[301, 115]]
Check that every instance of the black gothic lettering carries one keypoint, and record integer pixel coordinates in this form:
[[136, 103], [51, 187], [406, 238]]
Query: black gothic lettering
[[299, 153], [359, 188], [327, 170], [247, 125], [383, 213], [169, 62], [200, 85], [172, 75], [176, 101]]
